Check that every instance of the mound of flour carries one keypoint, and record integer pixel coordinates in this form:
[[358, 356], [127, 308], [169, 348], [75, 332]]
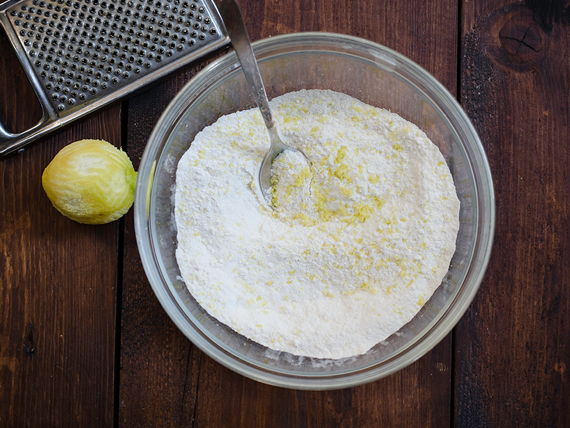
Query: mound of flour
[[359, 239]]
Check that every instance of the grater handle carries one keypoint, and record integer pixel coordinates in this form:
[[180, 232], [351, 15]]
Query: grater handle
[[11, 142]]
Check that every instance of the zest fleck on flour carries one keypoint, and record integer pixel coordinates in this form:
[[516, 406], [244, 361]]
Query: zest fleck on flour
[[359, 239]]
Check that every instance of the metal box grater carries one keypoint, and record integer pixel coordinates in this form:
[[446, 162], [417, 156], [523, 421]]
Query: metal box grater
[[82, 54]]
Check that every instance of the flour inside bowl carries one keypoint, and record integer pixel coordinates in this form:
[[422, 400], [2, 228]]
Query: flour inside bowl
[[359, 239]]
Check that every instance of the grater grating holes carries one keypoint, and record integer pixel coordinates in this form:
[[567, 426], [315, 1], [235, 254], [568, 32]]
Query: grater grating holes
[[114, 41]]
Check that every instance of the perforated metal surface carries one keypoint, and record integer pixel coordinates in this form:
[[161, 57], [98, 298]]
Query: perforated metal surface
[[83, 49], [83, 54]]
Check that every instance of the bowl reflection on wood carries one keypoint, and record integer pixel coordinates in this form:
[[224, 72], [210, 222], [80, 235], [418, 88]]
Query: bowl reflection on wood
[[377, 76]]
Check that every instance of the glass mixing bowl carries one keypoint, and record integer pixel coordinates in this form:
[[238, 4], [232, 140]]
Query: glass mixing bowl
[[377, 76]]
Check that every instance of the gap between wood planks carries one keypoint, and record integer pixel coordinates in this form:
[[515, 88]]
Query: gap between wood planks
[[119, 294], [453, 380]]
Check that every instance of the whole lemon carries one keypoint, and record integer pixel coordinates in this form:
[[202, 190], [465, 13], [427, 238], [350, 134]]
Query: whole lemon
[[91, 182]]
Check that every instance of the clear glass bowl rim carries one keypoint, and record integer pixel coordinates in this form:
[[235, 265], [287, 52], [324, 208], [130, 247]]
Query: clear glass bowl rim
[[443, 323]]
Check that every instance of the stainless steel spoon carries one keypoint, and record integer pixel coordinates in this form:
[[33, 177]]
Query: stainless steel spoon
[[235, 26]]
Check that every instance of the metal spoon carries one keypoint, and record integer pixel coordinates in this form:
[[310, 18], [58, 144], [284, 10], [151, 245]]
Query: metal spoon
[[235, 26]]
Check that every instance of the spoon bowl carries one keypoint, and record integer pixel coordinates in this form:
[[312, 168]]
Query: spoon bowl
[[264, 175]]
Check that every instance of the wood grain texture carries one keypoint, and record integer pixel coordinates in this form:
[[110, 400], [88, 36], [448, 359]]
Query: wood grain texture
[[418, 395], [166, 381], [58, 282], [513, 345]]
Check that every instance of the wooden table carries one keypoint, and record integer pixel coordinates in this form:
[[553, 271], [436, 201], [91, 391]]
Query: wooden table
[[85, 343]]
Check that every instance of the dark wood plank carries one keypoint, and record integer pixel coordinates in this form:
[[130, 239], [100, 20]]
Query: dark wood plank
[[165, 381], [513, 346], [58, 284], [418, 395]]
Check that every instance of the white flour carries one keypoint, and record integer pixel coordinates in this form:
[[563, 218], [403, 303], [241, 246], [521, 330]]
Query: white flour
[[356, 246]]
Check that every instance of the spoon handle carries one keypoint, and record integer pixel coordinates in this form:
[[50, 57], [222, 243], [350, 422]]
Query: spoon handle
[[233, 21]]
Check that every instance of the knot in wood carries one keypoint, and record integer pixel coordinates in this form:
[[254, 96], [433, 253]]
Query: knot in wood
[[29, 344], [522, 38]]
